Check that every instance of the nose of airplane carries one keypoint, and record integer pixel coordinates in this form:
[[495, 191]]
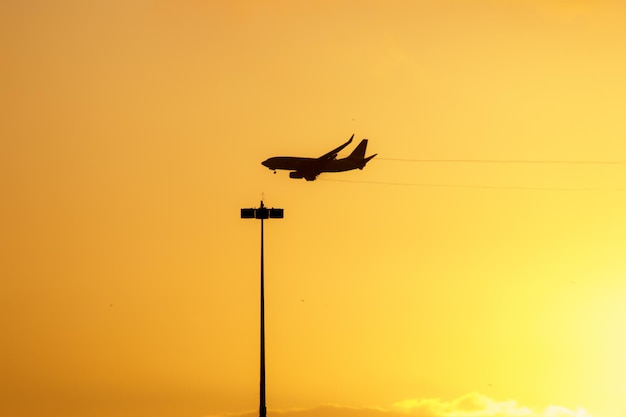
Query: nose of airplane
[[264, 163]]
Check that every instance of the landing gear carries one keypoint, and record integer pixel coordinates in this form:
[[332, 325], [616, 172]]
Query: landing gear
[[274, 172]]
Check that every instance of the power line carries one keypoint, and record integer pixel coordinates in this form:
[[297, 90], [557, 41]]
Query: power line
[[506, 161], [475, 186]]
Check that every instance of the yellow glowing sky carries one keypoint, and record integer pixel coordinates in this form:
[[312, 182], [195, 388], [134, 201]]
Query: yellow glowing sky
[[132, 133]]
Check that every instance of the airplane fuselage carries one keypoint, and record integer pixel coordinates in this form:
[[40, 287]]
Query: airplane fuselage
[[293, 163]]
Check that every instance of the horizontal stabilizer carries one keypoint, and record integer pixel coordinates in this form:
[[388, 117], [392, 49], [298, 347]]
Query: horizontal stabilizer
[[366, 160]]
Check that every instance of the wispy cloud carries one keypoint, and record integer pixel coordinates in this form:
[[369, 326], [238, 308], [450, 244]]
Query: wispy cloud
[[478, 405], [470, 405]]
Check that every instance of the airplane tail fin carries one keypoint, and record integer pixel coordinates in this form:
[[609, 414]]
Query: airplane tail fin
[[358, 154], [359, 151]]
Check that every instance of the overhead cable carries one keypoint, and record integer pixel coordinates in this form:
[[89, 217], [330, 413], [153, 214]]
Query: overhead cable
[[475, 186], [507, 161]]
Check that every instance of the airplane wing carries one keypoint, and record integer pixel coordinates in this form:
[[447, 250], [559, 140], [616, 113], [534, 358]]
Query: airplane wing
[[333, 154]]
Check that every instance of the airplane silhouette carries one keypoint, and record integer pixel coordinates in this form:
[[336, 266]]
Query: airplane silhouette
[[310, 168]]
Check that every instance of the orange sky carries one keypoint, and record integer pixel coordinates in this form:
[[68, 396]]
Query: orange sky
[[132, 134]]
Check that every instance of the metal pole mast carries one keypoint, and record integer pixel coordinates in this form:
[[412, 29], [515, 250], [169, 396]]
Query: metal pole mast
[[262, 407], [262, 213]]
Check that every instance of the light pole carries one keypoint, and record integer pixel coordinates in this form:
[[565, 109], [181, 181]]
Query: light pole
[[262, 213]]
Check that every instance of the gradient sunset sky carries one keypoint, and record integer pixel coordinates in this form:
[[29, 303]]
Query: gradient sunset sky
[[132, 134]]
